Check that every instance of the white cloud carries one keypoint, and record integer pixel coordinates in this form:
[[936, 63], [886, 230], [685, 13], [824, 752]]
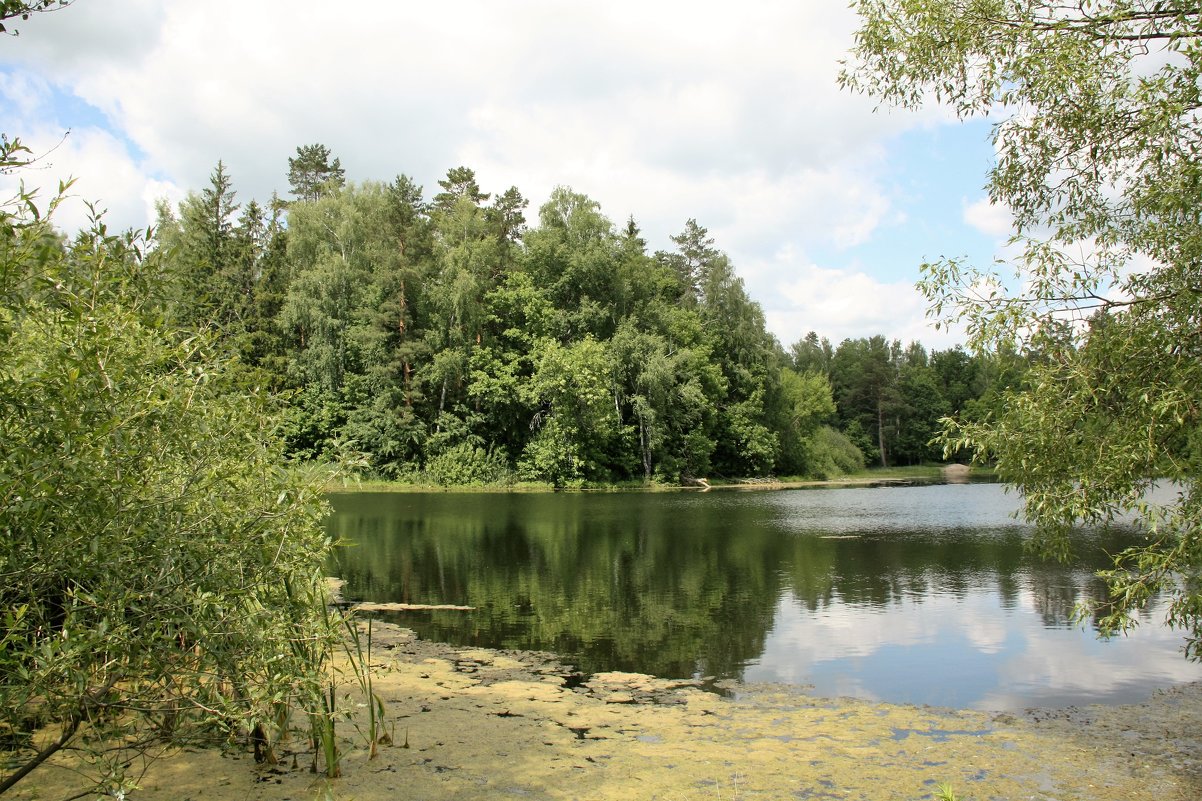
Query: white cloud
[[155, 191], [93, 165], [1049, 666], [840, 646], [849, 303], [691, 87], [989, 218], [102, 172], [24, 96], [664, 111]]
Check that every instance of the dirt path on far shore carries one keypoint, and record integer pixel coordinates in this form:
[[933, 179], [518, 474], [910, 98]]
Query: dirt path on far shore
[[478, 724]]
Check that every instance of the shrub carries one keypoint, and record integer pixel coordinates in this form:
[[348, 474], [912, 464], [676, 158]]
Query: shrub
[[466, 464], [831, 454], [160, 568]]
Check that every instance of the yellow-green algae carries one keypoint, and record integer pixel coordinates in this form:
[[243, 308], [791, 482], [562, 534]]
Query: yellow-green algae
[[474, 723]]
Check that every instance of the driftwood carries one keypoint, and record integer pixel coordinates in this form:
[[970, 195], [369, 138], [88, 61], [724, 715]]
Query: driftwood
[[368, 606], [689, 481], [334, 587]]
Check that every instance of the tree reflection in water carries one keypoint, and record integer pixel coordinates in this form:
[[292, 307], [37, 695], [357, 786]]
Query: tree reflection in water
[[894, 593]]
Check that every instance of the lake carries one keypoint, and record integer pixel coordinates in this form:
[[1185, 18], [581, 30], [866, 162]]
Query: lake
[[903, 594]]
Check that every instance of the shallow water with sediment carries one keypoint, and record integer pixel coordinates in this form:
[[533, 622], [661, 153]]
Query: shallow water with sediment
[[467, 723]]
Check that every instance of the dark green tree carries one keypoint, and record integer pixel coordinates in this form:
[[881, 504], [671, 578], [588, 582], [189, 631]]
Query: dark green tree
[[311, 174], [263, 251], [400, 309], [204, 255], [574, 258], [747, 440], [920, 406], [694, 253], [466, 255], [810, 354], [806, 404], [864, 377], [334, 247], [576, 418], [669, 389], [507, 218]]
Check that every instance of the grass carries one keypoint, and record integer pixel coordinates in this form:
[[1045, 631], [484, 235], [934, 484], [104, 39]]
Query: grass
[[943, 792], [354, 484]]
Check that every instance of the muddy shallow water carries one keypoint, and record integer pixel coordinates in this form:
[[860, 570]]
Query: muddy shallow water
[[473, 723]]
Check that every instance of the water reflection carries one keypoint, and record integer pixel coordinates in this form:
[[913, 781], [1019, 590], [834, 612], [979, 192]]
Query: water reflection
[[920, 594]]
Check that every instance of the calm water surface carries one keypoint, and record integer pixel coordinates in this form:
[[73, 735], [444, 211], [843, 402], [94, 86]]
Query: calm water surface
[[903, 594]]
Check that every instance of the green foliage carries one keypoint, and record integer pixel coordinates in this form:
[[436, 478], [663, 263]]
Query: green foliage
[[755, 443], [574, 257], [810, 354], [157, 560], [890, 399], [447, 337], [207, 264], [670, 393], [807, 401], [944, 792], [466, 464], [745, 442], [864, 376], [1099, 143], [1091, 433], [311, 174], [577, 418], [862, 441], [922, 406], [831, 453]]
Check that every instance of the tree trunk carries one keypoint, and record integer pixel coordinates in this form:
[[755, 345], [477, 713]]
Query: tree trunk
[[880, 431], [645, 447]]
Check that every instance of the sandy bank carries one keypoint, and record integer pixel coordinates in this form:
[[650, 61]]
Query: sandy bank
[[473, 724]]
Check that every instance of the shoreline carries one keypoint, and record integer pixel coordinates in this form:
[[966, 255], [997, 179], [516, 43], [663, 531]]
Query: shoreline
[[477, 723], [884, 477]]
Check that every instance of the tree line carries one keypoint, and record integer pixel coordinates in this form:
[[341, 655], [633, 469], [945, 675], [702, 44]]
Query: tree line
[[453, 340]]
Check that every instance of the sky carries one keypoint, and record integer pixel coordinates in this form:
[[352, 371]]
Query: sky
[[658, 110]]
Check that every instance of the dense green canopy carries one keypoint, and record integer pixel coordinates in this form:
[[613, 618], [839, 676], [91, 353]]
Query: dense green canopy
[[450, 341]]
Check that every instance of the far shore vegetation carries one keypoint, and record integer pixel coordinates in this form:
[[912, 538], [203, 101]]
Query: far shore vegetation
[[870, 476]]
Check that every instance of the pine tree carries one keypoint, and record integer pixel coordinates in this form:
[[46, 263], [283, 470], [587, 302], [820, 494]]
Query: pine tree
[[311, 174]]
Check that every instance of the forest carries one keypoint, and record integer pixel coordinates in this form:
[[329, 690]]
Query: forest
[[452, 340]]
